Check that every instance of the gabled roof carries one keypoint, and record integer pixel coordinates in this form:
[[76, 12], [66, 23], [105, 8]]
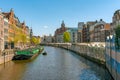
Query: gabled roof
[[117, 11], [98, 23], [6, 15]]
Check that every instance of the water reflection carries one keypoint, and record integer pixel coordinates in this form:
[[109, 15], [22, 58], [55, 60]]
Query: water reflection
[[58, 64]]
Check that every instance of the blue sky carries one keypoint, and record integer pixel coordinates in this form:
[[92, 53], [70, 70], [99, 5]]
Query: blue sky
[[45, 16]]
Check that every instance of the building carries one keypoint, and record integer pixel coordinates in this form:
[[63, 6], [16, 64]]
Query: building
[[115, 21], [48, 39], [73, 34], [101, 31], [1, 32], [59, 33], [86, 31], [28, 34], [31, 33], [6, 34], [93, 31], [16, 29], [79, 34], [13, 22]]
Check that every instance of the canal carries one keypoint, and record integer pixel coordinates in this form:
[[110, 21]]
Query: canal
[[58, 64]]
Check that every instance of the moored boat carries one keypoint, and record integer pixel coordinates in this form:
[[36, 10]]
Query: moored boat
[[44, 53], [27, 54]]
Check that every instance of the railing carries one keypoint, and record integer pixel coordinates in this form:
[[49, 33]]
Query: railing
[[6, 55], [8, 52]]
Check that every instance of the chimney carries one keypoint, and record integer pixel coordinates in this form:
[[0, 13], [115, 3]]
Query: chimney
[[101, 20], [96, 21]]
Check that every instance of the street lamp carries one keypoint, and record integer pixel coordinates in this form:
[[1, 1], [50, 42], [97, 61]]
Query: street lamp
[[110, 40], [4, 57]]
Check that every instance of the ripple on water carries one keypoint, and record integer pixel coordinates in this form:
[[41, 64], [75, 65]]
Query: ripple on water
[[87, 74]]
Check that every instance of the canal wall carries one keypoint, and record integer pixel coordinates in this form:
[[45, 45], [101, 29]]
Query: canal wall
[[6, 56], [94, 53], [112, 55]]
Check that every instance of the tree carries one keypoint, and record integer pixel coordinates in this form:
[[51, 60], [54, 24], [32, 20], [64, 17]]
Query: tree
[[66, 36], [117, 37], [28, 40], [16, 39], [23, 38], [38, 40], [33, 40]]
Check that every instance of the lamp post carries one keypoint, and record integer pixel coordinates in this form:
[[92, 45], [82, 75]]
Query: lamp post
[[110, 37], [4, 57]]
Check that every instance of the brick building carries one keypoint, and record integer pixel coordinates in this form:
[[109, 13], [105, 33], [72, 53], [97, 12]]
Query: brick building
[[1, 32], [86, 31], [59, 33], [79, 34], [115, 21], [16, 28], [101, 31], [6, 34]]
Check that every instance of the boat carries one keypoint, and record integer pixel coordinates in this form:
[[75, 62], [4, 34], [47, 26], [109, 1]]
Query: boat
[[27, 54], [44, 53]]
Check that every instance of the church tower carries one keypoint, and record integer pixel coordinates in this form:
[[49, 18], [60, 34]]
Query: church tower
[[63, 24], [31, 33]]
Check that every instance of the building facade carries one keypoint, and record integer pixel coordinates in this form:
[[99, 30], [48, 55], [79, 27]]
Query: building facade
[[16, 29], [115, 21], [73, 34], [86, 31], [6, 34], [79, 34], [59, 33], [48, 39], [1, 32], [101, 31], [96, 31]]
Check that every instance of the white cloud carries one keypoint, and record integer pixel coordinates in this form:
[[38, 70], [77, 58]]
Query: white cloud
[[45, 27]]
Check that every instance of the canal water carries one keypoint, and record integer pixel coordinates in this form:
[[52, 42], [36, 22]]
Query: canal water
[[58, 64]]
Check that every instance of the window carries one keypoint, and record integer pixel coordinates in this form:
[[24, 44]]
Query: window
[[6, 38], [102, 27], [5, 30], [73, 34], [5, 23], [2, 33]]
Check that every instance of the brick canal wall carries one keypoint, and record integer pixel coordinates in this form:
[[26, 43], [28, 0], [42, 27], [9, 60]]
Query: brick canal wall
[[6, 56], [95, 53]]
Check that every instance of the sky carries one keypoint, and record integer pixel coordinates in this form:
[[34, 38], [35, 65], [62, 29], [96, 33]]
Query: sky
[[45, 16]]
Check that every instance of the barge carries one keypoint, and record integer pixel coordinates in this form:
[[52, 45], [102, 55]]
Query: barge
[[27, 54]]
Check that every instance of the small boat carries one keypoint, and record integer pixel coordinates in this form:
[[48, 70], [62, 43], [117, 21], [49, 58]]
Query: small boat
[[44, 53]]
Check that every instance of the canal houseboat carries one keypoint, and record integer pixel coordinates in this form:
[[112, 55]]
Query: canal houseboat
[[27, 54]]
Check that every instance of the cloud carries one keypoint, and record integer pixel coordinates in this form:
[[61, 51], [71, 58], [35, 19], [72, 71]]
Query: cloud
[[45, 27]]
